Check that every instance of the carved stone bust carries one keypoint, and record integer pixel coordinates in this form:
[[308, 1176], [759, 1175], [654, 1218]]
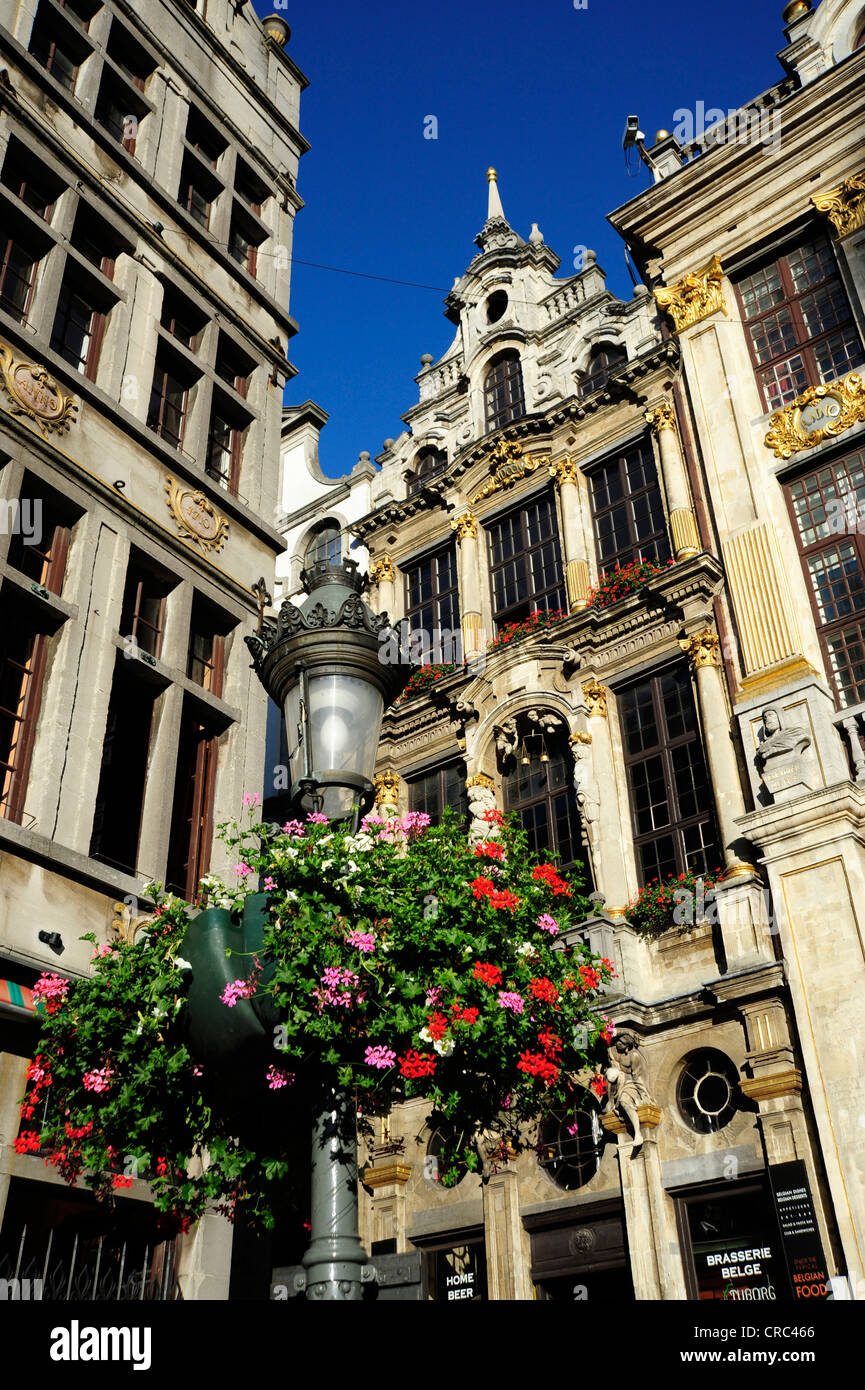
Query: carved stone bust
[[778, 758]]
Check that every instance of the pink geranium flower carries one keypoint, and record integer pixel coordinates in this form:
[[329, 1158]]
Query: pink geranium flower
[[362, 941], [509, 999], [380, 1057]]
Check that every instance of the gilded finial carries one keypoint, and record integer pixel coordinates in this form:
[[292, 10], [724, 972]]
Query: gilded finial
[[492, 176]]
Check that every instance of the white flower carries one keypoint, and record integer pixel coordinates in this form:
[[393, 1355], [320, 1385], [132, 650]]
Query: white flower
[[289, 896], [326, 865], [527, 949], [325, 840], [425, 1035], [358, 844], [444, 1047], [158, 1011], [181, 963]]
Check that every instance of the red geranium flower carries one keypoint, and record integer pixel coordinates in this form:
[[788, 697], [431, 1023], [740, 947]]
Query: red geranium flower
[[437, 1026], [482, 887], [489, 974], [415, 1064], [544, 989], [491, 849], [546, 873]]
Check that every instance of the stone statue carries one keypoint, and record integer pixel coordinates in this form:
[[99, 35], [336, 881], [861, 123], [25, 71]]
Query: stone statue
[[627, 1082], [587, 789], [507, 739], [482, 797], [778, 758]]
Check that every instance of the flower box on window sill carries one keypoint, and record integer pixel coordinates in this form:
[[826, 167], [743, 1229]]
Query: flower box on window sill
[[683, 900], [620, 583]]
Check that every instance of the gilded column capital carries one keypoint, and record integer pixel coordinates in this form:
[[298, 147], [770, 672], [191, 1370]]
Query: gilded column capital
[[579, 737], [844, 205], [565, 471], [595, 697], [480, 779], [386, 788], [383, 571], [701, 649], [465, 525], [694, 297], [662, 417]]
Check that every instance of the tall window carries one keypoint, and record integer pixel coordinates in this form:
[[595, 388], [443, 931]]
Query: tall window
[[122, 777], [627, 510], [244, 239], [430, 463], [828, 506], [192, 809], [543, 795], [798, 322], [602, 361], [435, 790], [671, 796], [181, 318], [143, 615], [23, 656], [197, 191], [526, 561], [206, 658], [39, 543], [17, 276], [433, 604], [169, 398], [79, 325], [224, 446], [59, 47], [37, 186], [503, 390], [324, 544]]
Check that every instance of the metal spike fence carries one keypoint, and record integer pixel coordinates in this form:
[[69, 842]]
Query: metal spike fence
[[102, 1271]]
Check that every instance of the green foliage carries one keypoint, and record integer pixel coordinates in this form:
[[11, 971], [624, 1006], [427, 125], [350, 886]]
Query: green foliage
[[401, 961]]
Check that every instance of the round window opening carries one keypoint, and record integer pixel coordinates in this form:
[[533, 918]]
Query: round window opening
[[439, 1164], [570, 1144], [707, 1092], [496, 306]]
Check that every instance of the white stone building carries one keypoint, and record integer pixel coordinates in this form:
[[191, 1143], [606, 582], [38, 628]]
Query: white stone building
[[708, 720]]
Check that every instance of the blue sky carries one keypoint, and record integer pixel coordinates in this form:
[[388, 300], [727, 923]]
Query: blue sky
[[540, 90]]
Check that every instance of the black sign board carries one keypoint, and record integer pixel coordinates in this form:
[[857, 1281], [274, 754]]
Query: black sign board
[[800, 1237], [460, 1273]]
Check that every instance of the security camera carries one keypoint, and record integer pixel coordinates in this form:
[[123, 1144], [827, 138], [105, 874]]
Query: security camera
[[633, 135]]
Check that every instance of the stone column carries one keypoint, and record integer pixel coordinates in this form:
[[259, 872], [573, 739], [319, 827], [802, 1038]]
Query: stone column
[[466, 527], [573, 534], [383, 575], [507, 1242], [683, 523], [610, 867], [701, 648], [388, 1217], [656, 1265]]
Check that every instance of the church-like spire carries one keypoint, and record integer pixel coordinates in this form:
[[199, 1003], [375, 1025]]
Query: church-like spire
[[497, 231], [494, 208]]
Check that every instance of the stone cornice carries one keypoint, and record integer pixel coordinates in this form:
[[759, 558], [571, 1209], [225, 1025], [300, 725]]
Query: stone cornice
[[768, 1087], [839, 809]]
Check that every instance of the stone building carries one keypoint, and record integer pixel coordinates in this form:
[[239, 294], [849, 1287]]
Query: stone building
[[148, 165], [708, 720]]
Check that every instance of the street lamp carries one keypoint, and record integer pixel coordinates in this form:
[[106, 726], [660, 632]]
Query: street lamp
[[322, 664]]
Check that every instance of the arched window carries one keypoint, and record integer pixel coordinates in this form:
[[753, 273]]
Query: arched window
[[325, 543], [600, 364], [541, 791], [430, 462], [569, 1145], [503, 390]]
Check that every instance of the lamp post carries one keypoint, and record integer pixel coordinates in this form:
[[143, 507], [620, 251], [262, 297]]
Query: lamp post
[[321, 663]]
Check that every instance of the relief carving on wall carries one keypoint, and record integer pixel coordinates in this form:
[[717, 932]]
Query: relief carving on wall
[[694, 297]]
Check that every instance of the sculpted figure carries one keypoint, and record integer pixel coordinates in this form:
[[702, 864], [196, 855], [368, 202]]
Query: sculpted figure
[[481, 799], [507, 738], [587, 789], [777, 740], [627, 1081]]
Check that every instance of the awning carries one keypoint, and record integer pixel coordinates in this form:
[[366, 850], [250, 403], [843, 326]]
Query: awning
[[19, 996]]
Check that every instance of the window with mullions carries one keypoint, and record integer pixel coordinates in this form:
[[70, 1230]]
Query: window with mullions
[[39, 545], [430, 463], [542, 793], [433, 604], [169, 399], [143, 616], [324, 544], [570, 1143], [671, 796], [526, 562], [57, 46], [436, 790], [504, 397], [79, 325], [37, 186], [627, 510], [192, 811], [798, 323], [603, 360], [224, 447], [17, 277], [828, 507]]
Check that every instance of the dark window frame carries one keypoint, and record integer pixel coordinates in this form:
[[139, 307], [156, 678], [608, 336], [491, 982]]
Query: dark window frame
[[603, 360], [804, 343], [665, 751], [551, 596], [432, 590], [316, 543], [647, 497], [432, 789], [504, 390], [17, 759], [18, 311], [549, 785], [192, 805]]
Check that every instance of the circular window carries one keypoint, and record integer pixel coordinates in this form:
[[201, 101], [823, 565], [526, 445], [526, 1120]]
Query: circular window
[[496, 306], [707, 1091], [439, 1161], [570, 1143]]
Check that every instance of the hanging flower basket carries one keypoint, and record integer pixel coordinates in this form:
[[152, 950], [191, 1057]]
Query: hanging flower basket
[[397, 962], [620, 582], [685, 900]]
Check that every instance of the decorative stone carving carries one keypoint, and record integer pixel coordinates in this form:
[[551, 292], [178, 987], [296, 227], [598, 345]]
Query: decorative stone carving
[[507, 738], [694, 297], [579, 737], [383, 571], [35, 394], [482, 798], [128, 922], [465, 525], [195, 516], [701, 649], [819, 413], [565, 471], [663, 417], [545, 721], [595, 697], [779, 757], [586, 786], [386, 788], [627, 1081], [507, 464], [844, 205]]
